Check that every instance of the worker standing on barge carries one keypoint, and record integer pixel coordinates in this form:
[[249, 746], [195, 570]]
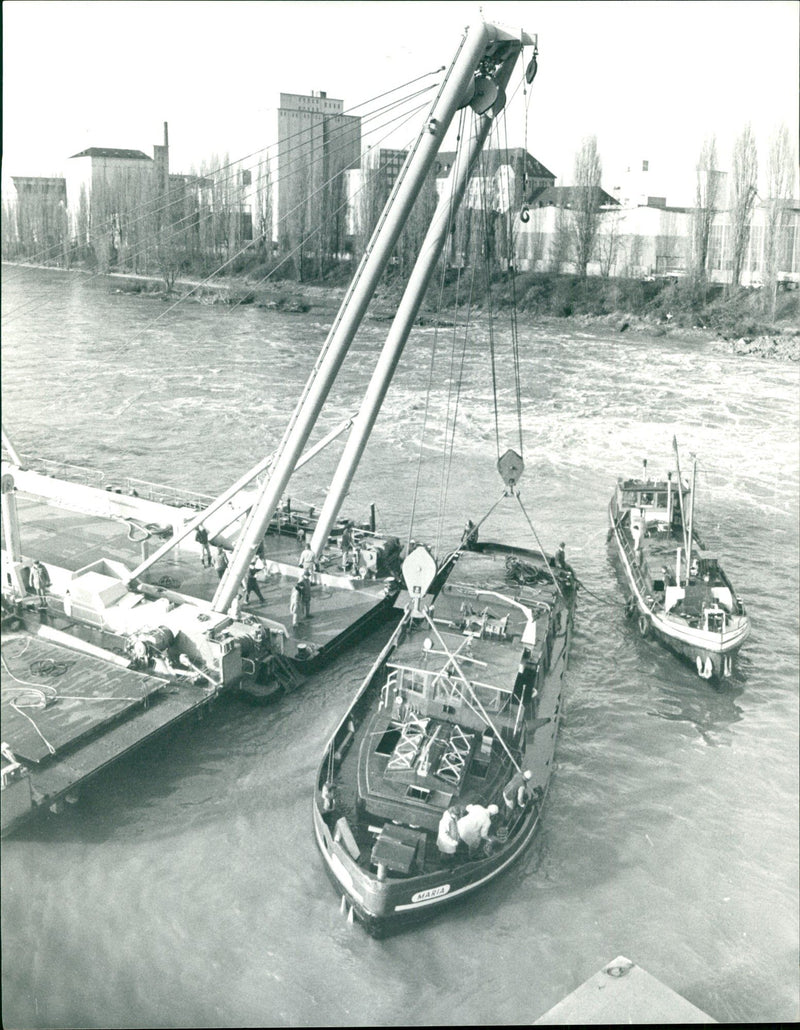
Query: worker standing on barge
[[39, 579]]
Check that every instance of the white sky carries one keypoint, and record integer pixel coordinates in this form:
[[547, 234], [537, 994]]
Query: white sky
[[650, 79]]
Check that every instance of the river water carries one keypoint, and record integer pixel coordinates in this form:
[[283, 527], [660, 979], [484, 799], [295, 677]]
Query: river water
[[185, 889]]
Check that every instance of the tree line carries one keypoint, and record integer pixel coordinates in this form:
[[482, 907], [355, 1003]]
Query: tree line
[[578, 228], [221, 218]]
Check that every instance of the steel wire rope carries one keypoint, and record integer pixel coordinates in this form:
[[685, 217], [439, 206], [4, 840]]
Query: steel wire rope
[[447, 452], [422, 439], [490, 303], [272, 272], [273, 146], [251, 243], [460, 372], [178, 231], [318, 228], [318, 363], [437, 316], [433, 351], [512, 272], [539, 545], [179, 227], [397, 185], [279, 450]]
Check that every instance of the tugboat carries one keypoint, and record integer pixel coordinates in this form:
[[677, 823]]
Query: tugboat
[[433, 782], [678, 590]]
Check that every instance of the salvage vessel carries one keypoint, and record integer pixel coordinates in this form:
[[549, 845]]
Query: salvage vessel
[[677, 590], [129, 579]]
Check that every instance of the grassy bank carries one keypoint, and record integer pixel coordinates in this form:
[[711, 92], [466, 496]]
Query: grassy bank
[[738, 318], [663, 306]]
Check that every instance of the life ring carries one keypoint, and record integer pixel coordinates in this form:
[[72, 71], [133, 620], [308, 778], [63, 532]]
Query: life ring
[[644, 626]]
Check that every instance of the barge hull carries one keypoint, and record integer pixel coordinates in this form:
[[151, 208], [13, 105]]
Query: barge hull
[[87, 732]]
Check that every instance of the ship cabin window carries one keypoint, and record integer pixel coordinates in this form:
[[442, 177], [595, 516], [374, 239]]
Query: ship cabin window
[[645, 499], [715, 621], [449, 709], [628, 498], [418, 793], [414, 681], [661, 500]]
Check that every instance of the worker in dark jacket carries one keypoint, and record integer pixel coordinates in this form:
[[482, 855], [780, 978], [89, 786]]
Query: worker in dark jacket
[[201, 536], [252, 586]]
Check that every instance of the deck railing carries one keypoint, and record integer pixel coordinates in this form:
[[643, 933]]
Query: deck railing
[[62, 470], [175, 497], [633, 561]]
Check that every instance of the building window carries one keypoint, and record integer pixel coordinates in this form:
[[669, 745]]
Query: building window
[[714, 258]]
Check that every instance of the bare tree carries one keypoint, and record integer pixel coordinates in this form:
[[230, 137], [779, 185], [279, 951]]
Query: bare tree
[[586, 203], [706, 203], [743, 197], [780, 186], [416, 227], [608, 242], [264, 207], [371, 200]]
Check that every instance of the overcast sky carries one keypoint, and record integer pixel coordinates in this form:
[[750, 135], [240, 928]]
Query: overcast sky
[[651, 80]]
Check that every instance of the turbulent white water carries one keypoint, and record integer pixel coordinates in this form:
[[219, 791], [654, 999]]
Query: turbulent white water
[[185, 889]]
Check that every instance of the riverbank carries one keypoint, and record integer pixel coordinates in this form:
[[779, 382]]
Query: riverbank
[[781, 344], [734, 329], [734, 323]]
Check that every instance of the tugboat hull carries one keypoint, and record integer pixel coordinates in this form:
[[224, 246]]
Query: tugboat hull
[[376, 828], [384, 908]]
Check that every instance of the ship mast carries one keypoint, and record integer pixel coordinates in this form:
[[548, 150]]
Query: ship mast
[[686, 541], [691, 521], [481, 44]]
